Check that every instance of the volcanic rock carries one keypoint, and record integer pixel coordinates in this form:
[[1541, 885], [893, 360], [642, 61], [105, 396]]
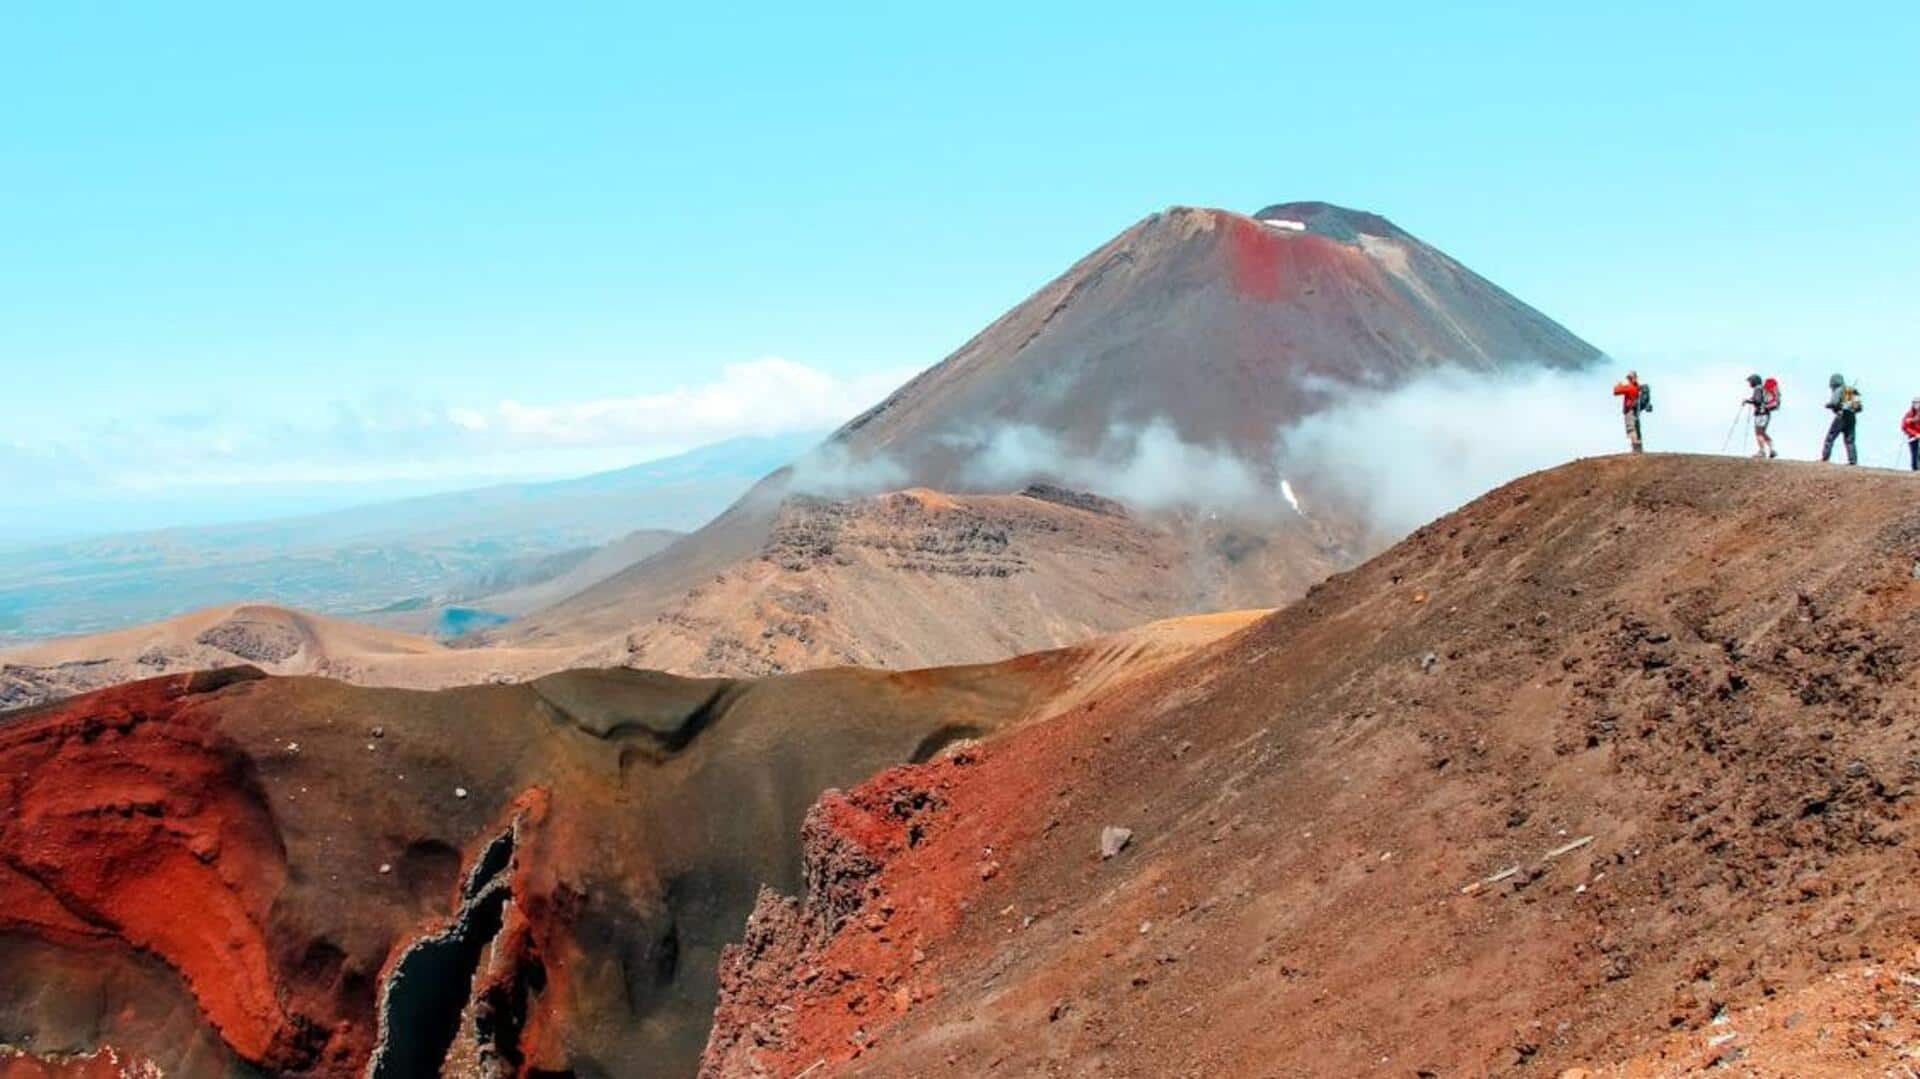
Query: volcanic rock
[[211, 874]]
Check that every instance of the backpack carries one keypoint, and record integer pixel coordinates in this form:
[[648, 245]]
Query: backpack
[[1644, 402], [1850, 400], [1770, 397]]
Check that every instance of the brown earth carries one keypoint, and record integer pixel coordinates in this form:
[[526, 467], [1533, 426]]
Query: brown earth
[[916, 578], [1614, 762], [900, 580], [229, 873], [278, 640]]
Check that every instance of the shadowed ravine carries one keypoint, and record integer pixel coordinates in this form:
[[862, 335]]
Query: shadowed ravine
[[601, 835]]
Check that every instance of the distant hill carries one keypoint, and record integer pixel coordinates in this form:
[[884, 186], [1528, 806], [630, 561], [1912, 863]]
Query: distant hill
[[902, 579], [421, 553]]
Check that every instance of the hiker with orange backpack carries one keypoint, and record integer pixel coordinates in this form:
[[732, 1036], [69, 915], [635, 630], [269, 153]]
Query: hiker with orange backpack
[[1635, 398], [1764, 399], [1910, 427]]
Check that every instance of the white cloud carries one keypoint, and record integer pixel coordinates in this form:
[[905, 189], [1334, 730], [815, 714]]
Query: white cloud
[[397, 437], [829, 471], [766, 396], [1149, 466]]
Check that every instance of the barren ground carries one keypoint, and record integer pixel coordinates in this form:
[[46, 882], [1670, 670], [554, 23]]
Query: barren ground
[[1612, 764]]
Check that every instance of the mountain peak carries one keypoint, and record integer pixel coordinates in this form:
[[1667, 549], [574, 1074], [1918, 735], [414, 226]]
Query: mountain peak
[[1334, 222]]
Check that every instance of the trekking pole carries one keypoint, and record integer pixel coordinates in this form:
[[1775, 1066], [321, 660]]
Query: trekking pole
[[1727, 443]]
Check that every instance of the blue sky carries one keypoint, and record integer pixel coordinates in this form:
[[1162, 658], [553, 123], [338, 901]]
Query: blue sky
[[248, 250]]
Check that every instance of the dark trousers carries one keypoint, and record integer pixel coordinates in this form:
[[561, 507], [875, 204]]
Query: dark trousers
[[1913, 452], [1842, 427]]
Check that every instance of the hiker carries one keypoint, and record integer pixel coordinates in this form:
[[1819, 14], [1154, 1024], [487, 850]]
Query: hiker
[[1844, 403], [1764, 398], [1634, 399], [1910, 427]]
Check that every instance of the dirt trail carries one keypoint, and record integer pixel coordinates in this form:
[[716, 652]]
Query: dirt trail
[[1615, 751]]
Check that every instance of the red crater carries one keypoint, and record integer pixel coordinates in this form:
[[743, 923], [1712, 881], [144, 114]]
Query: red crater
[[181, 857], [1255, 254]]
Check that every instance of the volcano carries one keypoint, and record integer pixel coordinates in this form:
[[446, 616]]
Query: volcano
[[1226, 327], [1159, 370], [1105, 454]]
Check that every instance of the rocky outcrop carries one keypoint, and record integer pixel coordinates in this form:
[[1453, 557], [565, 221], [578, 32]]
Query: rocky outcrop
[[841, 953], [257, 640]]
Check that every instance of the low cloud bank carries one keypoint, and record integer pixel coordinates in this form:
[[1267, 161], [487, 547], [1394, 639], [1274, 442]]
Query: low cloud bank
[[762, 397], [231, 463]]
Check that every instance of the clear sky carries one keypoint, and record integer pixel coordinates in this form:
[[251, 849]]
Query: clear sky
[[253, 248]]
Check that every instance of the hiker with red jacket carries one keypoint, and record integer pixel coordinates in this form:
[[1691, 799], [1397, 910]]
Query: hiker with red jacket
[[1910, 427], [1764, 398], [1635, 398]]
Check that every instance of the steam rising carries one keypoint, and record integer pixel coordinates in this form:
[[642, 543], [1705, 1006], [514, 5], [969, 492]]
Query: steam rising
[[1401, 457], [1151, 467], [1411, 454], [829, 471]]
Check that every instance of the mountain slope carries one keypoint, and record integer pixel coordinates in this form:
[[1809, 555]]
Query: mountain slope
[[1160, 369], [1225, 326], [915, 578], [224, 873], [1615, 750]]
